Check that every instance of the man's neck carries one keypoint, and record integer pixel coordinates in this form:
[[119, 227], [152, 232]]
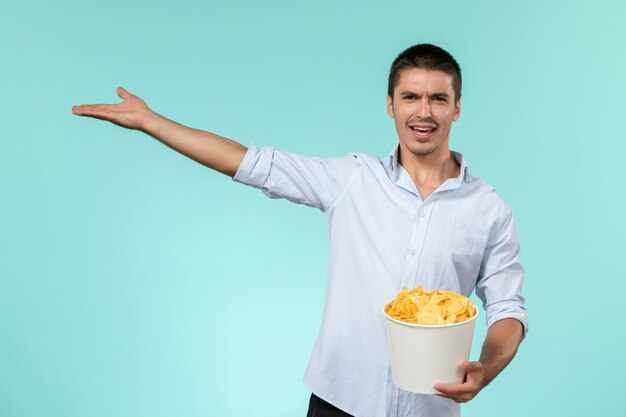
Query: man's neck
[[428, 171]]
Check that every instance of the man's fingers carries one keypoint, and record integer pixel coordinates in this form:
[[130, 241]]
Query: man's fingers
[[464, 392], [93, 113], [102, 111], [458, 393], [89, 109], [83, 109], [453, 389]]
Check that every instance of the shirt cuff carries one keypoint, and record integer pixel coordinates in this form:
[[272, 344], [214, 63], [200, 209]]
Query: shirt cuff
[[510, 313], [255, 167]]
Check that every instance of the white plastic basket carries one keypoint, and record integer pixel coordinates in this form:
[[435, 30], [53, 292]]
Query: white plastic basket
[[425, 355]]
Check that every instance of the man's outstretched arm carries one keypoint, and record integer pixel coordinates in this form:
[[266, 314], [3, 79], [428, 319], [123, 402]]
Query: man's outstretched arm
[[213, 151], [501, 343]]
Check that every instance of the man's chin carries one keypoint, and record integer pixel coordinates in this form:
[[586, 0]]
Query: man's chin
[[422, 151]]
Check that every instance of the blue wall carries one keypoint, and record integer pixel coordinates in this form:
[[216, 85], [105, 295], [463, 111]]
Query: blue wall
[[135, 282]]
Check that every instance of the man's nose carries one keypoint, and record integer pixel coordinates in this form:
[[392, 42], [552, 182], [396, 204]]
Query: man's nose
[[423, 108]]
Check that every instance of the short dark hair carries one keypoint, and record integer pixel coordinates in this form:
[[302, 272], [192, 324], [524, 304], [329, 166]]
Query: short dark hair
[[428, 57]]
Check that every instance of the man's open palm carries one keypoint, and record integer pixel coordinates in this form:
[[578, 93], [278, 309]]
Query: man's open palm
[[130, 113]]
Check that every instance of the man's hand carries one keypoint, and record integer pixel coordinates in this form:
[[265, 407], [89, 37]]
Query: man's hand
[[216, 152], [475, 380], [131, 113], [500, 346]]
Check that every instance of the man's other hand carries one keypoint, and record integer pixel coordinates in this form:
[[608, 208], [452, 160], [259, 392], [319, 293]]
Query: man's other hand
[[475, 380]]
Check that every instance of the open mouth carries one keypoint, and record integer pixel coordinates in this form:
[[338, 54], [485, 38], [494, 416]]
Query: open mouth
[[423, 131]]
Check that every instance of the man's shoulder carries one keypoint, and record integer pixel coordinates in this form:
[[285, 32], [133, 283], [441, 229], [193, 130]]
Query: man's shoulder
[[366, 162], [362, 156], [485, 195]]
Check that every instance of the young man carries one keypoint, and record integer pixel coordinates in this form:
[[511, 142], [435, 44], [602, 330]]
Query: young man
[[415, 217]]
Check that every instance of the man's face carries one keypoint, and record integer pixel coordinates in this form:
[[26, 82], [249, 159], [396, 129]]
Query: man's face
[[424, 108]]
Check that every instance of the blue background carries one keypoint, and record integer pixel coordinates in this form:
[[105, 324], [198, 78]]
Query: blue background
[[135, 282]]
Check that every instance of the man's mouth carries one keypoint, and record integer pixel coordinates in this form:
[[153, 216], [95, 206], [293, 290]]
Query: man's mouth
[[423, 131]]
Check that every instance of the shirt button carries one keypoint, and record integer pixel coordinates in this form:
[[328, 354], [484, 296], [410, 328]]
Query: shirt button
[[422, 214], [413, 252]]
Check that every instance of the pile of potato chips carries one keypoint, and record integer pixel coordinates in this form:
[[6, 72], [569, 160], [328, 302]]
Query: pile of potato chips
[[435, 307]]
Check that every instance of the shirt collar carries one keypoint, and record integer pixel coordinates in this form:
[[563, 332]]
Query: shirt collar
[[464, 175]]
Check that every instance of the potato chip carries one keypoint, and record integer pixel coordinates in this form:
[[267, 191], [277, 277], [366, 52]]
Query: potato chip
[[426, 317], [455, 307], [450, 318], [432, 308]]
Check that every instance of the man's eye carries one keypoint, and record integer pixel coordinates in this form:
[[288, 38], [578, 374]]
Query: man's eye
[[409, 97], [440, 99]]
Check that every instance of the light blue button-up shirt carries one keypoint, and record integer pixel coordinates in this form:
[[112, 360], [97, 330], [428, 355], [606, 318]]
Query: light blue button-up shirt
[[385, 237]]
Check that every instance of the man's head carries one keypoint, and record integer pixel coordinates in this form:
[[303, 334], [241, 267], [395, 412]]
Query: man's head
[[424, 100], [429, 57]]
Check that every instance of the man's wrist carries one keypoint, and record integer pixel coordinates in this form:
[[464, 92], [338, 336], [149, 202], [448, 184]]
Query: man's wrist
[[150, 123], [489, 373]]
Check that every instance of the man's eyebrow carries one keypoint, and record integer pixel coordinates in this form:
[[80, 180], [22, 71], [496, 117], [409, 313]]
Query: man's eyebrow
[[412, 93]]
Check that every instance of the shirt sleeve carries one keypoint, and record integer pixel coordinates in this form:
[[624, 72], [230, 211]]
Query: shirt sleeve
[[315, 182], [501, 275]]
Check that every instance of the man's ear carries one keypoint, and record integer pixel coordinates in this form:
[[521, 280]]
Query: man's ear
[[390, 107], [457, 110]]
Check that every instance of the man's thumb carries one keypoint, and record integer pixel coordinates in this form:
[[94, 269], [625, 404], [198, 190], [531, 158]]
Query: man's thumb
[[123, 93]]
